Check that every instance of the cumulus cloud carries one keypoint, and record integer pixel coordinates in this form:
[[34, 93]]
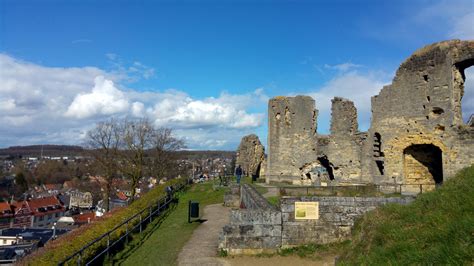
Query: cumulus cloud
[[181, 111], [454, 18], [58, 105], [353, 85], [105, 99]]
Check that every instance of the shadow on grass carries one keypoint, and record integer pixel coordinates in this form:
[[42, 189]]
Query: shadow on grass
[[138, 239]]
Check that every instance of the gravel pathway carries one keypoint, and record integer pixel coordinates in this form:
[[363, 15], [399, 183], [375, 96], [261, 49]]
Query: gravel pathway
[[201, 249]]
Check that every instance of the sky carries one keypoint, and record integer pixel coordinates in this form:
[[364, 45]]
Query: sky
[[206, 69]]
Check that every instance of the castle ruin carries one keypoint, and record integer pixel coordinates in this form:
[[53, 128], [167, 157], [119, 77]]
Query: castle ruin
[[417, 135]]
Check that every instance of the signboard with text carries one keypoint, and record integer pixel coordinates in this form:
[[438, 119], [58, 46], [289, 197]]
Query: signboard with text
[[307, 210]]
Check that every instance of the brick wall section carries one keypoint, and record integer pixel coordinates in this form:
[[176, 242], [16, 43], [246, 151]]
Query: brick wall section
[[336, 218]]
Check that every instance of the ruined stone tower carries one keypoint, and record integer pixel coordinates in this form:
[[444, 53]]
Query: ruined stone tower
[[344, 146], [291, 136], [417, 135]]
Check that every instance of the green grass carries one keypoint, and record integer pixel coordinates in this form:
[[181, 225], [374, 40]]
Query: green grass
[[261, 190], [313, 251], [436, 229], [274, 200], [162, 245]]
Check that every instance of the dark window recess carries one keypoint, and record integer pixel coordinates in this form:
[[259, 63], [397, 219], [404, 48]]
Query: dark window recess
[[380, 166], [327, 165], [378, 145], [437, 110]]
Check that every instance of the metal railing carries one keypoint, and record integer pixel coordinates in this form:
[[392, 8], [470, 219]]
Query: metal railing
[[133, 224]]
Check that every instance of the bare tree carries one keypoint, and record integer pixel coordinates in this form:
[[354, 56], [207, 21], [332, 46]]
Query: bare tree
[[136, 139], [104, 142], [163, 153]]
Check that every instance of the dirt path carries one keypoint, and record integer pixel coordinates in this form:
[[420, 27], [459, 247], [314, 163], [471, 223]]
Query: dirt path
[[201, 249]]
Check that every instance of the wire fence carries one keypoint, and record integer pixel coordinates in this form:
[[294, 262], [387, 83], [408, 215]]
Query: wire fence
[[109, 243]]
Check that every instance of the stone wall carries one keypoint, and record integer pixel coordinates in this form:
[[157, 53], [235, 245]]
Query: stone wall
[[344, 145], [336, 218], [421, 110], [252, 230], [250, 155], [416, 117], [262, 227], [291, 136], [252, 200]]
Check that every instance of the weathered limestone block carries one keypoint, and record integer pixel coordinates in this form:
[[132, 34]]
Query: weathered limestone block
[[250, 155], [291, 136]]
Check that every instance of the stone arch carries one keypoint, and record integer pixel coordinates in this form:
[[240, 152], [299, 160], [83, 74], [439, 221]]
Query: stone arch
[[423, 165], [394, 153], [318, 171]]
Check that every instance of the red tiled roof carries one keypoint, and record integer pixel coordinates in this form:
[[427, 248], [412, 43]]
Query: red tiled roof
[[52, 186], [84, 218], [4, 206], [49, 205], [121, 195]]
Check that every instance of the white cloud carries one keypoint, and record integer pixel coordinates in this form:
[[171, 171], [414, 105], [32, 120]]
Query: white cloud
[[467, 102], [41, 104], [344, 67], [7, 105], [105, 99], [138, 109], [355, 86], [463, 27], [180, 110]]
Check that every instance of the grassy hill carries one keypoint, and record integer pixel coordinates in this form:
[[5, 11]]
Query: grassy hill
[[436, 229]]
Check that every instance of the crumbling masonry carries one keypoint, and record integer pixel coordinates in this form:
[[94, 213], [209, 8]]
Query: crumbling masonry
[[417, 135]]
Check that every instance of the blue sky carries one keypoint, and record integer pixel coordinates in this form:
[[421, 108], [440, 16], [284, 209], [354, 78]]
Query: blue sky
[[205, 68]]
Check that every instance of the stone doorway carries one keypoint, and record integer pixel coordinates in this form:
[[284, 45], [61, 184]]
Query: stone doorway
[[423, 165]]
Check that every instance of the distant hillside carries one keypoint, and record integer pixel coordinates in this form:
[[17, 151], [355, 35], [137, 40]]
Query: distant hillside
[[436, 229], [206, 154], [69, 150], [48, 150]]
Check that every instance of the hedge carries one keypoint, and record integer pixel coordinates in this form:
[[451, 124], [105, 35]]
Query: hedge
[[66, 245]]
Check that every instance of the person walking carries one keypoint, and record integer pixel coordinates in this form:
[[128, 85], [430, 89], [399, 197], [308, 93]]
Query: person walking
[[238, 173]]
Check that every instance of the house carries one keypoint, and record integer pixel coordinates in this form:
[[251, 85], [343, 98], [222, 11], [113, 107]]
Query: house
[[6, 214], [82, 200], [41, 212], [46, 211], [84, 218]]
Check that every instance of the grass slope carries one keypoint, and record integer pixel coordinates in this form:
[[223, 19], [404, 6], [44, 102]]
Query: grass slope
[[163, 244], [436, 229]]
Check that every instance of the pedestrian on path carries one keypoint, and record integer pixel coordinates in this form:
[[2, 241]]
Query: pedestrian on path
[[238, 173]]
